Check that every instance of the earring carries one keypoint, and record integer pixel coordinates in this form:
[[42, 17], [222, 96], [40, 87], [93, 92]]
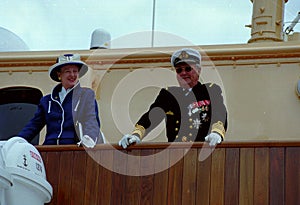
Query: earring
[[59, 78]]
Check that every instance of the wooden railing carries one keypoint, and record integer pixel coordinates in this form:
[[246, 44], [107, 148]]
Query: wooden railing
[[178, 173]]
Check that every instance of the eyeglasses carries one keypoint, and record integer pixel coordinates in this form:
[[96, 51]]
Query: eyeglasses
[[187, 69]]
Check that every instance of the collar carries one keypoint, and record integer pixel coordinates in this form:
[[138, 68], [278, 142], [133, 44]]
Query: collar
[[62, 94], [59, 91]]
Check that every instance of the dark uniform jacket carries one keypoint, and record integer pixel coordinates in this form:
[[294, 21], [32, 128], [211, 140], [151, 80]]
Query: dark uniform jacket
[[190, 115], [61, 118]]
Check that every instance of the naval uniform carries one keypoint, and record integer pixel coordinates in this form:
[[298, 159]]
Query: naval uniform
[[61, 118], [190, 115]]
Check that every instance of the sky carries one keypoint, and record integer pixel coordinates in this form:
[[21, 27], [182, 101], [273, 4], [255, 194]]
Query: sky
[[65, 25]]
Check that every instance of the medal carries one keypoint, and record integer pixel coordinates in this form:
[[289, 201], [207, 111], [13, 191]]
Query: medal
[[197, 123], [190, 109]]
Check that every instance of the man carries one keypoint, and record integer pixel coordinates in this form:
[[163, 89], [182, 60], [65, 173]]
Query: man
[[193, 111]]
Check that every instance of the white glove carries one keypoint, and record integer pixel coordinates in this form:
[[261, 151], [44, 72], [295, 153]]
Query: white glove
[[213, 139], [87, 141], [128, 140]]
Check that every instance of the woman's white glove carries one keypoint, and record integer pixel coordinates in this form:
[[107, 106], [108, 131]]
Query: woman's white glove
[[128, 140], [213, 139], [87, 141]]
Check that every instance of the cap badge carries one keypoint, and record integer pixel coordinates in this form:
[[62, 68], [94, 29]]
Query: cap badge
[[69, 57], [183, 55]]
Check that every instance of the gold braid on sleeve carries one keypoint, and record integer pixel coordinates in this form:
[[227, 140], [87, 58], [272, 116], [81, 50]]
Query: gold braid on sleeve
[[140, 130], [218, 127]]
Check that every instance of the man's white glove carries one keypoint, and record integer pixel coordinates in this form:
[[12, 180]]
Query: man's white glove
[[128, 140], [213, 139], [87, 142]]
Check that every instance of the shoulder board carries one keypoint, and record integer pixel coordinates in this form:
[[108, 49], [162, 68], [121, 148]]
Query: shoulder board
[[209, 85], [173, 88]]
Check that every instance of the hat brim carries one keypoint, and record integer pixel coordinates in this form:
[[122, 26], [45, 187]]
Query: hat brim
[[83, 68], [187, 61]]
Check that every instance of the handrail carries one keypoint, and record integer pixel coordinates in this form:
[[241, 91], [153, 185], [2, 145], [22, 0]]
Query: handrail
[[174, 145]]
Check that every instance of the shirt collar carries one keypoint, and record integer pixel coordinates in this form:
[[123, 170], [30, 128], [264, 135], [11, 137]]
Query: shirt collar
[[63, 93]]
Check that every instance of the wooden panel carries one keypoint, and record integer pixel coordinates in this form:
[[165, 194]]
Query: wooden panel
[[44, 157], [132, 195], [217, 177], [246, 176], [254, 173], [203, 176], [189, 176], [118, 180], [90, 194], [175, 177], [232, 175], [160, 192], [277, 162], [261, 176], [65, 177], [105, 176], [78, 178], [52, 162], [45, 162], [292, 171], [147, 176]]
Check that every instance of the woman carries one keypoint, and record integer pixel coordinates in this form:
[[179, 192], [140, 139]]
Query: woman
[[70, 112]]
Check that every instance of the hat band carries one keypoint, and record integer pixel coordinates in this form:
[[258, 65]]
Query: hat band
[[191, 58]]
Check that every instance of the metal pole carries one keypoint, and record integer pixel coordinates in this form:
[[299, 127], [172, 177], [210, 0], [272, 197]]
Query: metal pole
[[153, 23], [290, 28]]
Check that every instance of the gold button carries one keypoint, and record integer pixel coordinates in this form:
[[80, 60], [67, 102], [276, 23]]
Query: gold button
[[190, 119], [191, 126], [177, 122], [176, 129], [184, 138]]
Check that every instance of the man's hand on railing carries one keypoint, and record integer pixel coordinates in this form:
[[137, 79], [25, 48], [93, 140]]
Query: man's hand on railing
[[128, 140], [213, 139]]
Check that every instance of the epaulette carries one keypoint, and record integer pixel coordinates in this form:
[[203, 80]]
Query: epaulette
[[172, 88]]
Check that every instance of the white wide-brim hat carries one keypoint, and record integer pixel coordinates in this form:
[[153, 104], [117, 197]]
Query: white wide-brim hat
[[67, 59]]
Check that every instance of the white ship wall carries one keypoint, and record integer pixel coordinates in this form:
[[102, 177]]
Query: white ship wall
[[258, 82]]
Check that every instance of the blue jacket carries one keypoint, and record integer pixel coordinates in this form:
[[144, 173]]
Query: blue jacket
[[61, 119]]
